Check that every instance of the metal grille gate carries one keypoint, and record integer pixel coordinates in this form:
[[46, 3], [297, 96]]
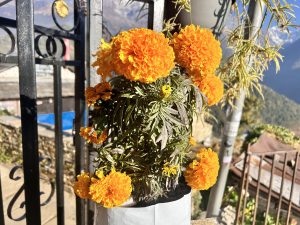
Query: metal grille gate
[[30, 54]]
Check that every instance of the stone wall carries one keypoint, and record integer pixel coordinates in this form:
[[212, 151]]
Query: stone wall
[[11, 147]]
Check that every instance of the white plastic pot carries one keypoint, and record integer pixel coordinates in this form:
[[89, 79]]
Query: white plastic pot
[[170, 213], [206, 13]]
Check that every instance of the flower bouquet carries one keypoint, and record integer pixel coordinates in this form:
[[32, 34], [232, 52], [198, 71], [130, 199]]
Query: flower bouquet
[[142, 114]]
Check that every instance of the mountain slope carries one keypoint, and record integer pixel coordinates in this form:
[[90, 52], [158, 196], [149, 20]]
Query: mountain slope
[[278, 109], [287, 81]]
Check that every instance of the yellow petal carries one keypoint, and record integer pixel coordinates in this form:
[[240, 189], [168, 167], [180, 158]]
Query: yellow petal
[[61, 8]]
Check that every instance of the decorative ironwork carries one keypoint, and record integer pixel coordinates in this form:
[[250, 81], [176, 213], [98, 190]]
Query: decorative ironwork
[[12, 39], [76, 22], [53, 37], [13, 176], [51, 46], [5, 2]]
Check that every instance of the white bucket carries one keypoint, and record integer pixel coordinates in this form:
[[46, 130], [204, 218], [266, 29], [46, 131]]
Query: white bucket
[[170, 213]]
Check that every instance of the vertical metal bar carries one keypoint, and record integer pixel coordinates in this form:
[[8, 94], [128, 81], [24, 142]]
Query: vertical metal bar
[[237, 214], [27, 83], [246, 189], [94, 35], [2, 222], [156, 14], [81, 209], [281, 188], [257, 190], [270, 190], [95, 21], [292, 188], [59, 148]]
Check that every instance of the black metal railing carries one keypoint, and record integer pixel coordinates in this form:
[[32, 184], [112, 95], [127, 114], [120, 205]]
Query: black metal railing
[[51, 51], [29, 53]]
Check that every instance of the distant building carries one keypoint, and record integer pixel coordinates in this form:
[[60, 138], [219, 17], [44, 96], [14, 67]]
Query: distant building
[[9, 89]]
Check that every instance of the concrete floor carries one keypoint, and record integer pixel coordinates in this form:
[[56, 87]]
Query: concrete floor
[[10, 187]]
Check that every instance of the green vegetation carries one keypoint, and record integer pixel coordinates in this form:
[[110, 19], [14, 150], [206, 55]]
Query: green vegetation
[[281, 133], [273, 109], [279, 110], [4, 112], [231, 198]]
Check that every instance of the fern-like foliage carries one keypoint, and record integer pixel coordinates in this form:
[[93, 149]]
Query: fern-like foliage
[[147, 129]]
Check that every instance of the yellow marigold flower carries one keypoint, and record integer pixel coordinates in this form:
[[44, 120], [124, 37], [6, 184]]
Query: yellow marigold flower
[[202, 173], [166, 90], [142, 55], [91, 136], [99, 174], [104, 60], [61, 8], [192, 141], [212, 87], [81, 186], [101, 91], [197, 50], [111, 190], [169, 170]]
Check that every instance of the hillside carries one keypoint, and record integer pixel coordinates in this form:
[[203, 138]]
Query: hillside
[[278, 109], [287, 81]]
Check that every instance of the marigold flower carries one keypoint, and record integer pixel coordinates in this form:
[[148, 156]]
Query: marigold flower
[[111, 190], [192, 141], [169, 170], [101, 91], [202, 173], [166, 90], [81, 186], [89, 134], [197, 50], [212, 87], [142, 55], [104, 60], [61, 8]]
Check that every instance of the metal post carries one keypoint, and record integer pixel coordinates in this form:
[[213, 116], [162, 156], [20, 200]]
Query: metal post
[[292, 188], [95, 21], [255, 11], [257, 189], [81, 209], [59, 149], [270, 190], [27, 83], [94, 35], [156, 14], [281, 188], [241, 194]]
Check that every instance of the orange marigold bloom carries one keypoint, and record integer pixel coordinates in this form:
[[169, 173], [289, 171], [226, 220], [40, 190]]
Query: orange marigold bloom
[[81, 186], [202, 173], [142, 55], [111, 190], [104, 60], [197, 50], [89, 134], [101, 91], [212, 87]]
